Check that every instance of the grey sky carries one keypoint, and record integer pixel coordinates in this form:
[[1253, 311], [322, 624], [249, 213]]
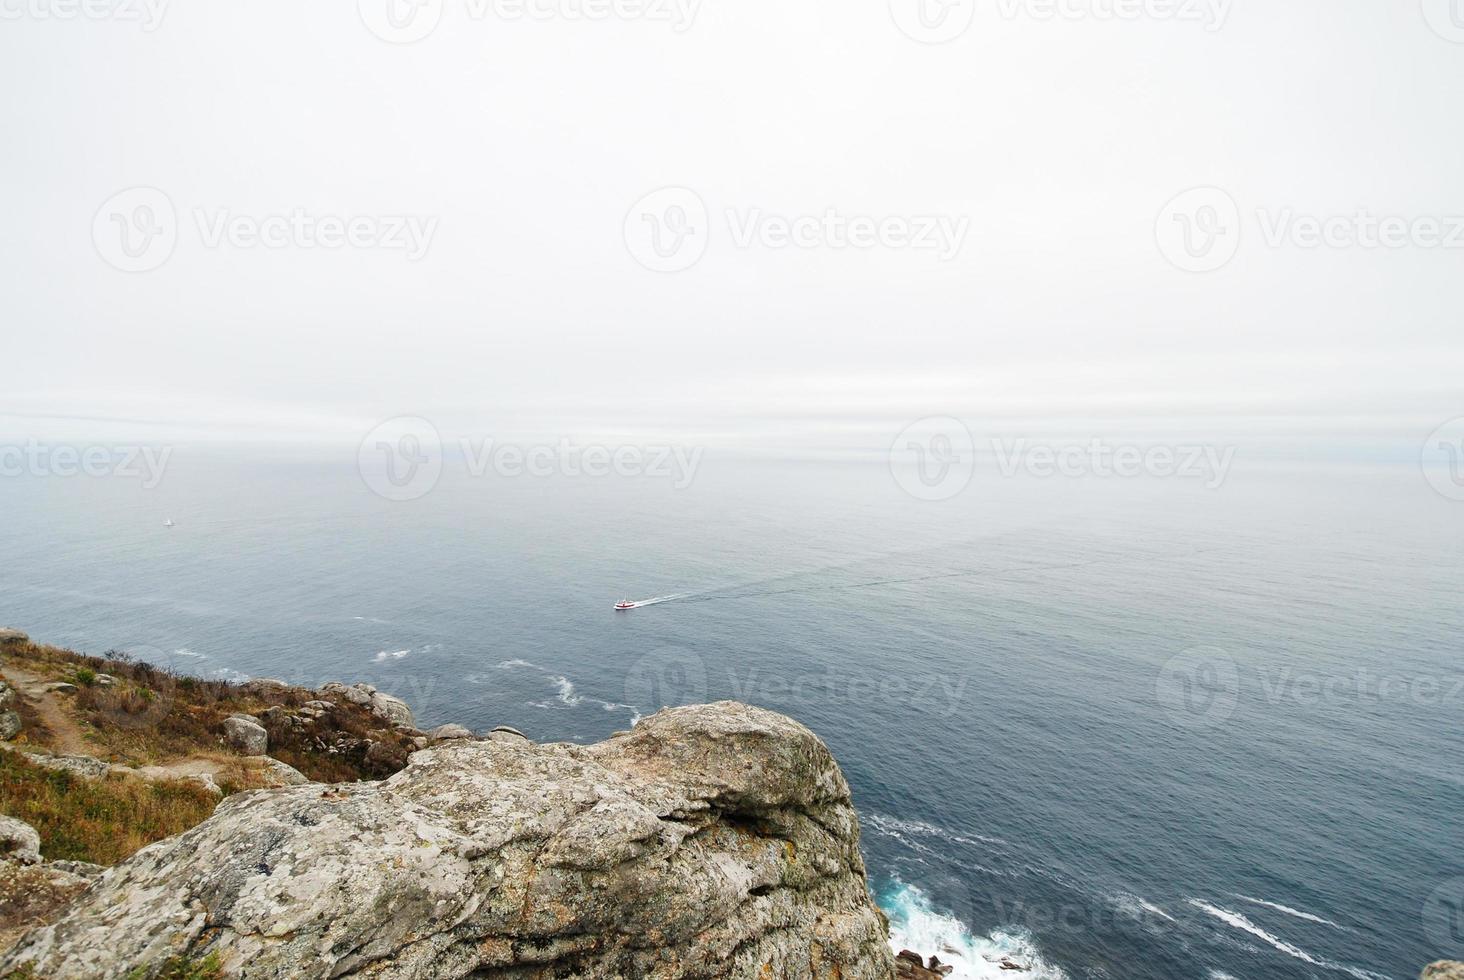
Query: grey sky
[[528, 142]]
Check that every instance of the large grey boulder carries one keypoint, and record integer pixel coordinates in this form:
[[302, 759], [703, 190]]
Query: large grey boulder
[[246, 735], [10, 725], [710, 842], [19, 841], [392, 709]]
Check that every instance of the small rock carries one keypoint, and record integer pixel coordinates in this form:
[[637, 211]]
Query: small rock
[[105, 680], [78, 765], [206, 780], [8, 635], [503, 733], [60, 687], [446, 733], [7, 697], [246, 734], [283, 774], [19, 841], [10, 725]]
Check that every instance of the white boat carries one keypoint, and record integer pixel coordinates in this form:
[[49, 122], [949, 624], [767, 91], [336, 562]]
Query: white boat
[[169, 523], [624, 604]]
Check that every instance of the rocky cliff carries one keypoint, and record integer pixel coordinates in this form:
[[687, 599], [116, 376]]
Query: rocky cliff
[[712, 841]]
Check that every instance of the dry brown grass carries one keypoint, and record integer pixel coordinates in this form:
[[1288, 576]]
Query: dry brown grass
[[97, 820], [153, 716]]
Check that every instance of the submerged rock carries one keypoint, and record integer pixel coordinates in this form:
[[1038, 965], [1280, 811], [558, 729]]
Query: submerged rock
[[712, 841]]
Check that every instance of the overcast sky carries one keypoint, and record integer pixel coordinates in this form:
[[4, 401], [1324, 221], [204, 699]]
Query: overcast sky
[[522, 150]]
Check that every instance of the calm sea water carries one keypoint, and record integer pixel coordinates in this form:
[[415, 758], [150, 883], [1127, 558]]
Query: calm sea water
[[1108, 728]]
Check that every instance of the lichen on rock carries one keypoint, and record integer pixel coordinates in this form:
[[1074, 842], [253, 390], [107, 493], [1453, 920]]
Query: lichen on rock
[[711, 841]]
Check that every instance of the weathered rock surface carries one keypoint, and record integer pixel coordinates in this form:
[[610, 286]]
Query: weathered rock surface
[[10, 724], [384, 706], [246, 734], [284, 774], [712, 841], [85, 766], [19, 841], [447, 733], [8, 635], [1443, 970], [34, 894]]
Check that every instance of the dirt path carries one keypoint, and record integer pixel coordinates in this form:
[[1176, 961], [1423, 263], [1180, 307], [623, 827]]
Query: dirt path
[[66, 734], [66, 737]]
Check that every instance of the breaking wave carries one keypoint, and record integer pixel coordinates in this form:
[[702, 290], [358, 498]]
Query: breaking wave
[[916, 925]]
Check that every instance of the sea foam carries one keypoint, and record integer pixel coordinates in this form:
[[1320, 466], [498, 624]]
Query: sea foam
[[915, 924]]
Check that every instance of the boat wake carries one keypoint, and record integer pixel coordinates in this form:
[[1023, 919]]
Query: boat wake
[[1237, 921], [657, 600], [1288, 910]]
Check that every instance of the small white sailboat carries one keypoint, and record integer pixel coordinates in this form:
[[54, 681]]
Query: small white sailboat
[[169, 523]]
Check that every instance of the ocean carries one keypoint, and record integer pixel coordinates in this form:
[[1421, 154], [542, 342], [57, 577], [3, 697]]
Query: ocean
[[1140, 729]]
